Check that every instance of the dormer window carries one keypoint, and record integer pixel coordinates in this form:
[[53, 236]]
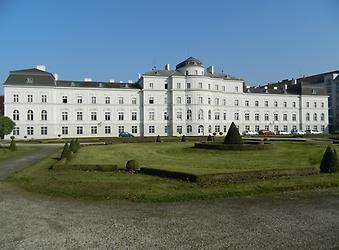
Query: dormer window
[[29, 80], [187, 72]]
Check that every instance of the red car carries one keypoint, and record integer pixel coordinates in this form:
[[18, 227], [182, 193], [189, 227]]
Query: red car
[[265, 132]]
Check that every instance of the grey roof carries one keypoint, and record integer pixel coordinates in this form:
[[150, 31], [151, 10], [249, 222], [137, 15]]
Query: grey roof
[[189, 61], [91, 84]]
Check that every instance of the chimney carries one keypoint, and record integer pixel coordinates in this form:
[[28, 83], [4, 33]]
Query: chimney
[[266, 89], [139, 76], [130, 81], [285, 88], [167, 67], [111, 80], [210, 69], [56, 76], [295, 82], [87, 79], [41, 67]]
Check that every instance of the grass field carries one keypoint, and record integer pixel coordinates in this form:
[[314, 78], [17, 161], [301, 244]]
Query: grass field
[[7, 154], [182, 157]]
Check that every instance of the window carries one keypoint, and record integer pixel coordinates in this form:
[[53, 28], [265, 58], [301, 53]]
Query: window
[[236, 102], [107, 115], [43, 130], [188, 99], [276, 128], [30, 131], [256, 128], [247, 103], [247, 116], [217, 128], [121, 116], [93, 116], [200, 100], [166, 118], [256, 116], [266, 117], [107, 129], [179, 115], [165, 129], [94, 130], [178, 85], [189, 114], [151, 85], [315, 127], [79, 116], [224, 116], [209, 129], [165, 100], [44, 98], [178, 100], [322, 105], [223, 88], [29, 80], [217, 115], [151, 116], [216, 87], [44, 115], [315, 104], [121, 129], [134, 116], [236, 89], [107, 100], [134, 129], [151, 129], [166, 85], [94, 100], [209, 86], [247, 128], [179, 129], [209, 100], [236, 116], [200, 85], [307, 116], [151, 100], [188, 85], [284, 117], [80, 130], [15, 98], [64, 99], [16, 131], [266, 103], [121, 100], [224, 102], [189, 129], [256, 103], [322, 117], [209, 114], [216, 101], [29, 98], [225, 128], [307, 104], [294, 117], [275, 104], [294, 104], [308, 127], [16, 115], [64, 130], [267, 127], [285, 104], [201, 114], [30, 115], [315, 117], [64, 115], [79, 99], [134, 100], [285, 128], [276, 118]]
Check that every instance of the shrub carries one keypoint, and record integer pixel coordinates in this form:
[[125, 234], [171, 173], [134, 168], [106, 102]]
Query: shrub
[[12, 146], [233, 136], [209, 138], [158, 139], [12, 137], [77, 143], [183, 138], [329, 162], [69, 154], [214, 133], [221, 133], [132, 166], [64, 151], [115, 168], [73, 146]]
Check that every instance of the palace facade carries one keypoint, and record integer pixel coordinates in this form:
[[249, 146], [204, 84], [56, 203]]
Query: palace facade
[[188, 100]]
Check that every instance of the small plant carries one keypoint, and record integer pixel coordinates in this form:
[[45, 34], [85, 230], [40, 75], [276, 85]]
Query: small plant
[[221, 133], [183, 138], [209, 138], [12, 146], [214, 133], [73, 146], [115, 169], [233, 136], [64, 151], [69, 154], [132, 166], [329, 162], [12, 137], [158, 139]]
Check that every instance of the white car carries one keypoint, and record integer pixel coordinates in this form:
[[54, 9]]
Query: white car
[[280, 132], [313, 132], [297, 132], [250, 133]]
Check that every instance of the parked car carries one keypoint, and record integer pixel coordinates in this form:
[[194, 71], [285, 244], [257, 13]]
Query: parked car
[[312, 132], [265, 132], [282, 132], [125, 134], [250, 133], [297, 132]]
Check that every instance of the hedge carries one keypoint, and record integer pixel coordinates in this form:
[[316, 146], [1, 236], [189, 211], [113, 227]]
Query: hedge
[[245, 146], [169, 174], [62, 165]]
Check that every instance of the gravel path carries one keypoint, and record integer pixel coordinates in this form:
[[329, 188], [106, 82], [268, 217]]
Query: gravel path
[[305, 220]]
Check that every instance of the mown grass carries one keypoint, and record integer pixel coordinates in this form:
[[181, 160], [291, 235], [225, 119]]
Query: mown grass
[[182, 157], [5, 153]]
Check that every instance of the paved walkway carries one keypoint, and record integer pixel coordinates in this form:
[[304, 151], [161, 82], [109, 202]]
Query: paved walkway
[[9, 166]]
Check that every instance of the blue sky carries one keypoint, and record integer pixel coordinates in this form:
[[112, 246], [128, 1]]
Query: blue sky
[[260, 41]]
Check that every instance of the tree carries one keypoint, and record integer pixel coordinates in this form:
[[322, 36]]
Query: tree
[[209, 138], [158, 139], [12, 146], [233, 136], [6, 126], [73, 146], [64, 151], [329, 162], [183, 138]]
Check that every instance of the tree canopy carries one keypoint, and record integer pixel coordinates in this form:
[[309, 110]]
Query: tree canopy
[[6, 126]]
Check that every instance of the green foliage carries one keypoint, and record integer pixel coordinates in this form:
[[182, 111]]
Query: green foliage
[[74, 146], [132, 166], [169, 174], [64, 151], [158, 139], [6, 126], [209, 138], [233, 136], [12, 146], [183, 138], [69, 154], [329, 162], [77, 143]]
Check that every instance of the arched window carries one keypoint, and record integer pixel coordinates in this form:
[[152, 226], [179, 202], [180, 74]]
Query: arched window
[[189, 129], [201, 114], [209, 114], [30, 115], [16, 115], [189, 114], [209, 129], [200, 129], [322, 117], [44, 115], [315, 117], [307, 116]]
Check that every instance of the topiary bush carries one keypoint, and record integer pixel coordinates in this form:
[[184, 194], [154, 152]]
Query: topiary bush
[[77, 144], [158, 139], [132, 166], [183, 138], [233, 136], [69, 154], [64, 151], [12, 146], [209, 138], [329, 162], [73, 146]]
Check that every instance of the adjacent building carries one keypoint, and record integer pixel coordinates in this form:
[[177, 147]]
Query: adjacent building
[[188, 100]]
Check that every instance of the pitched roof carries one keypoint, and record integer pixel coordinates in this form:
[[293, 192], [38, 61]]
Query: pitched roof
[[36, 77], [189, 61]]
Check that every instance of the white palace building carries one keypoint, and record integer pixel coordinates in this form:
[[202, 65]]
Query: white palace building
[[189, 100]]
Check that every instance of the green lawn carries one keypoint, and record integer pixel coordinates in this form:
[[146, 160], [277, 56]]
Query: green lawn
[[7, 154], [182, 157]]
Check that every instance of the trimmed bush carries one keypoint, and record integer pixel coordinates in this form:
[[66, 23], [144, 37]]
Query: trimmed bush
[[12, 146], [233, 136], [132, 166], [183, 138], [169, 174], [158, 139], [69, 154], [329, 162], [73, 146], [64, 151], [209, 138]]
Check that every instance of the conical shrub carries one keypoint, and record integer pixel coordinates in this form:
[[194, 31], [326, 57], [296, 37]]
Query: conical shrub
[[158, 139], [73, 146], [64, 151], [209, 138], [329, 162], [233, 136], [183, 138], [12, 146]]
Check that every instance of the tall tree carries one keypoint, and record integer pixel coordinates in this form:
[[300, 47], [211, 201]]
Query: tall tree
[[6, 126]]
